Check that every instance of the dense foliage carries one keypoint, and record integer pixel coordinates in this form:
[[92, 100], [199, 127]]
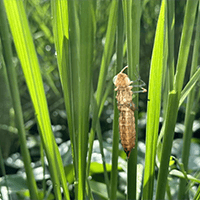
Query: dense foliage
[[65, 55]]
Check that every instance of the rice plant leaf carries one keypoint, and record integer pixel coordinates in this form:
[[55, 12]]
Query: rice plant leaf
[[115, 147], [191, 110], [174, 97], [180, 174], [14, 91], [73, 79], [190, 13], [92, 132], [197, 195], [61, 37], [86, 15], [108, 49], [100, 188], [169, 125], [190, 85], [171, 24], [28, 58], [153, 110]]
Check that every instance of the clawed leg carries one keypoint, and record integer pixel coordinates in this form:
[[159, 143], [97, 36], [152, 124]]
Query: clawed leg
[[116, 88]]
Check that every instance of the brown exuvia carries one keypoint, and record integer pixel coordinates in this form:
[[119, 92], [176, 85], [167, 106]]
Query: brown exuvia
[[126, 108]]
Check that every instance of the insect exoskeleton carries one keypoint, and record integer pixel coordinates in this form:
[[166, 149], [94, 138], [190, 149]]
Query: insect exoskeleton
[[126, 108], [122, 80], [127, 129]]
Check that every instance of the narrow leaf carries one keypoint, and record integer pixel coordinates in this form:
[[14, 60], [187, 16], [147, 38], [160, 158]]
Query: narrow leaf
[[153, 111], [28, 58]]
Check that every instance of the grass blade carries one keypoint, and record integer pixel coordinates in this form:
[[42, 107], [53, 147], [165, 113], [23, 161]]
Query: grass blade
[[108, 50], [174, 97], [197, 195], [74, 58], [28, 58], [171, 23], [85, 78], [75, 54], [169, 128], [61, 36], [189, 87], [190, 110], [132, 162], [154, 95], [6, 42], [188, 25], [115, 147]]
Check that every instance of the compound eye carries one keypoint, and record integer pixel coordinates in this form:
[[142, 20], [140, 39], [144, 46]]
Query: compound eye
[[114, 79]]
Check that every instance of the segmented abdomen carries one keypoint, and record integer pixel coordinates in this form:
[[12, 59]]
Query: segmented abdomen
[[127, 129], [126, 118]]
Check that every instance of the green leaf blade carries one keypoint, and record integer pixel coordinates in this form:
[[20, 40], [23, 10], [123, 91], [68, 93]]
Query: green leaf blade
[[153, 111], [28, 58]]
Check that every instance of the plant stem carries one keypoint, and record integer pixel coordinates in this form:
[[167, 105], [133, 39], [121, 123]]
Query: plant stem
[[115, 147]]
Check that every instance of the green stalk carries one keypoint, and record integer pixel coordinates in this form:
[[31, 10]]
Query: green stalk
[[96, 126], [133, 44], [172, 110], [127, 6], [197, 195], [3, 170], [44, 187], [115, 147], [99, 134], [168, 75], [108, 50], [190, 112], [171, 23], [100, 138], [7, 51], [174, 97]]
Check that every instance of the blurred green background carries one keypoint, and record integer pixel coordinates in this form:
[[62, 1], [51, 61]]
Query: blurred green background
[[40, 22]]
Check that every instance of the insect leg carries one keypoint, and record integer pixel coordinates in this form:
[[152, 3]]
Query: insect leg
[[139, 85], [116, 88], [141, 91]]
